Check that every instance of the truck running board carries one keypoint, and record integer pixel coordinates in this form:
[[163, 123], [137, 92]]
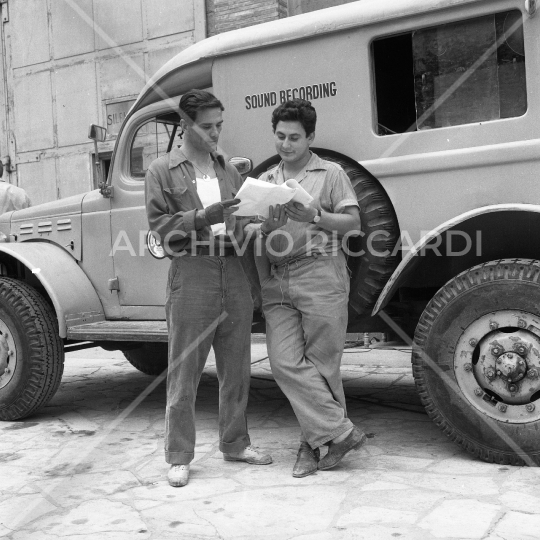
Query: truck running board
[[119, 331]]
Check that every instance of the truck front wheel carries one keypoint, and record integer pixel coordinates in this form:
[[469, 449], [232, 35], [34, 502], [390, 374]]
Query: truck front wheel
[[150, 358], [31, 351], [476, 360]]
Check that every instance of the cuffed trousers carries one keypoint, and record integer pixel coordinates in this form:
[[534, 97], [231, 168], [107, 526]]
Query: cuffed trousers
[[208, 304], [305, 306]]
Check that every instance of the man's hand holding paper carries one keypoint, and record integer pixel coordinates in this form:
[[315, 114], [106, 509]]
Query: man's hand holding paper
[[257, 196], [300, 212]]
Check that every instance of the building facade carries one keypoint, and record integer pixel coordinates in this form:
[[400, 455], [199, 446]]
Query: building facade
[[69, 63]]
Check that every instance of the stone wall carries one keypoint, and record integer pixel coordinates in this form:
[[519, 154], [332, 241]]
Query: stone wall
[[296, 7], [225, 15], [71, 63]]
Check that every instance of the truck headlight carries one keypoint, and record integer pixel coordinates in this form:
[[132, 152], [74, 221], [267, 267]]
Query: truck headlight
[[154, 246]]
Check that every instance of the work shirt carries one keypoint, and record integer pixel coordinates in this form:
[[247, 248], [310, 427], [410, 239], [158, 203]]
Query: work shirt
[[12, 198], [331, 190], [172, 202]]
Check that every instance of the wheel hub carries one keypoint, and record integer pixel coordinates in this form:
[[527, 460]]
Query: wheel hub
[[511, 367], [508, 363], [8, 355], [4, 355], [497, 365]]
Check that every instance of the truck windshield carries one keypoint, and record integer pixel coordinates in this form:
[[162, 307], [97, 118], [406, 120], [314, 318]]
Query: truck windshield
[[453, 74]]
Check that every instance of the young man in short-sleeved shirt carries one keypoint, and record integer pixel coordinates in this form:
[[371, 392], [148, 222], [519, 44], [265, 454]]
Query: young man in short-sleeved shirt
[[305, 289]]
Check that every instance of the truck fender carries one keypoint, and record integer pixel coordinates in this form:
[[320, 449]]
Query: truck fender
[[410, 259], [71, 292]]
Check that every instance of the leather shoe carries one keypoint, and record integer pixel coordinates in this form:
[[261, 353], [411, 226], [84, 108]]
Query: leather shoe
[[248, 455], [336, 451], [306, 461]]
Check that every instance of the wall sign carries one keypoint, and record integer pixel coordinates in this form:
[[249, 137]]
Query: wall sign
[[115, 114]]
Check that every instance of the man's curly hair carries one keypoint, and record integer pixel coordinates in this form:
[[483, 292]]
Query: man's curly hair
[[296, 110]]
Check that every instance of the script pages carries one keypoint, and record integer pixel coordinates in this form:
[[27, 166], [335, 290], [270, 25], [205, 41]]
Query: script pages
[[256, 196]]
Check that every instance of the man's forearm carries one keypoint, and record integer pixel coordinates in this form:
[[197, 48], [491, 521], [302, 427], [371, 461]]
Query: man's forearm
[[341, 223]]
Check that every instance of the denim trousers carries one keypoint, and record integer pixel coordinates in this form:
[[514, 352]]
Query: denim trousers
[[208, 305], [305, 306]]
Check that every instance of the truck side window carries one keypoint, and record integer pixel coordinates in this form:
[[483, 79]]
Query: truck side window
[[149, 143], [453, 74]]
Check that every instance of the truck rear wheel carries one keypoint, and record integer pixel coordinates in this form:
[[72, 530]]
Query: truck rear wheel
[[380, 232], [150, 358], [31, 351], [476, 360]]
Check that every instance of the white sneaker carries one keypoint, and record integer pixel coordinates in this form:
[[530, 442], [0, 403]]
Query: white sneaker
[[178, 475], [248, 455]]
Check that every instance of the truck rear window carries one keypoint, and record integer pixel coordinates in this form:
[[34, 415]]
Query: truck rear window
[[454, 74]]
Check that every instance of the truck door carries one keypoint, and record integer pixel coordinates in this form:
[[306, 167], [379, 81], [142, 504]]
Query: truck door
[[141, 276]]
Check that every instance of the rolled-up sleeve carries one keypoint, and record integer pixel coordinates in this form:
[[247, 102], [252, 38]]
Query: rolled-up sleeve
[[341, 191]]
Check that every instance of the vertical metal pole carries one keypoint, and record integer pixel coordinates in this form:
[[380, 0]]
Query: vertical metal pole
[[98, 165], [7, 142]]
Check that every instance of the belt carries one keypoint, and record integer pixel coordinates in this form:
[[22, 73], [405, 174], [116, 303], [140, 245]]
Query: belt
[[315, 255], [215, 252]]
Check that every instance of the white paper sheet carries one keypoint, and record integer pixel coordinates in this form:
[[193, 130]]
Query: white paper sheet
[[256, 196]]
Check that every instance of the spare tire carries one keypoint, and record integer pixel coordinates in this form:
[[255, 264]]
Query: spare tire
[[380, 232]]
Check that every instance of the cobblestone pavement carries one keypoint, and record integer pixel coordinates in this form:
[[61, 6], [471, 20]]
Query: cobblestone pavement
[[83, 468]]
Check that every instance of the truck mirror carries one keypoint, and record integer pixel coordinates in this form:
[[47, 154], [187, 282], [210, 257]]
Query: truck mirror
[[243, 165], [97, 133]]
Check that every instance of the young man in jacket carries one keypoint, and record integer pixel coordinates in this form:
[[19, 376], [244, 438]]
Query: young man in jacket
[[189, 198]]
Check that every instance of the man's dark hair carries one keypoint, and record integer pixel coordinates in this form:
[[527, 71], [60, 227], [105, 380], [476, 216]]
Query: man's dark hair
[[197, 100], [296, 110]]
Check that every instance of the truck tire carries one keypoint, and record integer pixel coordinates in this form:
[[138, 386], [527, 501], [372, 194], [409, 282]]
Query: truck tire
[[371, 271], [149, 358], [476, 360], [31, 350]]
